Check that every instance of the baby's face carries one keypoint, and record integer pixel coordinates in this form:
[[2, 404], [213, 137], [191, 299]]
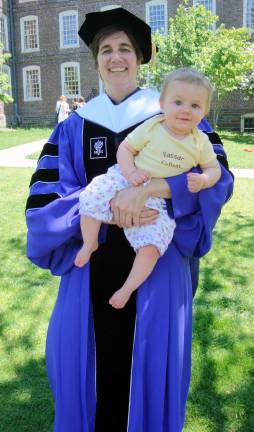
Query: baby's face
[[184, 105]]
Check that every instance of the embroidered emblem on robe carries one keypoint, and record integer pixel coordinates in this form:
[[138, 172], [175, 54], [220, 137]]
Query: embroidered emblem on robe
[[98, 148]]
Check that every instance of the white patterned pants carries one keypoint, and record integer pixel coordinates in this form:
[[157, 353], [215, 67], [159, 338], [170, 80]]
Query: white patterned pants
[[95, 203]]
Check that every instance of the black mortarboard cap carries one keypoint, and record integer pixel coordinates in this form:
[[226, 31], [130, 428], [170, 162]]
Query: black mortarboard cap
[[96, 21]]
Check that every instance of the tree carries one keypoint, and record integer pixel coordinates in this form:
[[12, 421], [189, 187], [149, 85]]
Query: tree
[[247, 84], [220, 54], [4, 79], [230, 60]]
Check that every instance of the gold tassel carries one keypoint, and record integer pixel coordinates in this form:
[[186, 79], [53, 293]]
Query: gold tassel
[[154, 54]]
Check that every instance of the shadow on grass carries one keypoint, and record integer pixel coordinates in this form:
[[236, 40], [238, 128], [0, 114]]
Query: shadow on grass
[[26, 401], [225, 407], [28, 295]]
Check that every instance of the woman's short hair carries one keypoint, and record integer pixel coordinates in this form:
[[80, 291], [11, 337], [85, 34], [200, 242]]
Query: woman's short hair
[[190, 76], [108, 31]]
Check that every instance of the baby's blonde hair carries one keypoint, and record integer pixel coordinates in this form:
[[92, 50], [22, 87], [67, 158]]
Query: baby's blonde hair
[[190, 76]]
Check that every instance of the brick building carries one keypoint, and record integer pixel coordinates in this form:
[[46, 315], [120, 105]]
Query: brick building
[[48, 59]]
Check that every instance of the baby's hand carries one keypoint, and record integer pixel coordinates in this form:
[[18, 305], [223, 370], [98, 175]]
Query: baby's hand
[[138, 177], [195, 182]]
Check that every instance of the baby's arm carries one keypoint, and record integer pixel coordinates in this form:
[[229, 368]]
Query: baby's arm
[[210, 175], [125, 158]]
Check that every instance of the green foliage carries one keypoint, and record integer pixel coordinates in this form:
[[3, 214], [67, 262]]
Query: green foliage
[[229, 61], [224, 55], [4, 79], [247, 84]]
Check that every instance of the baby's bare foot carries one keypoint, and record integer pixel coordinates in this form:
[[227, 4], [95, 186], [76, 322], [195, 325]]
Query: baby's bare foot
[[84, 254], [120, 298]]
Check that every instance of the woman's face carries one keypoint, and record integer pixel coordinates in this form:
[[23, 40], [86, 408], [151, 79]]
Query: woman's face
[[117, 63]]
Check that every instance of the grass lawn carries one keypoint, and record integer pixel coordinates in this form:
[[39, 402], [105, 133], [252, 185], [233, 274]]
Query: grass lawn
[[34, 156], [235, 145], [14, 137], [222, 390]]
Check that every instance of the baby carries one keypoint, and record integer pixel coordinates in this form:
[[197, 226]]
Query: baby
[[163, 146]]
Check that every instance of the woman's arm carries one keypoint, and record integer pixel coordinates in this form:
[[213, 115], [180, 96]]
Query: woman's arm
[[209, 176], [52, 214], [195, 214], [128, 206]]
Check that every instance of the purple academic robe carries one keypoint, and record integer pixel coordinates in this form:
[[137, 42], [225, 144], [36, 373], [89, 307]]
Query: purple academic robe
[[161, 356]]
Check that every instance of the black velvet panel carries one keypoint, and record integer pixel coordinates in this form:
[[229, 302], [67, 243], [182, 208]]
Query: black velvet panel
[[41, 200], [100, 164], [45, 175], [114, 329]]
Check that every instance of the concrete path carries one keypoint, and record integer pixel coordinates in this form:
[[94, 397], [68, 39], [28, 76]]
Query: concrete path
[[243, 172], [16, 157]]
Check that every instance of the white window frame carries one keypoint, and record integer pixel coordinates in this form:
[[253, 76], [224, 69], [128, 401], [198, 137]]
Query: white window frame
[[245, 24], [158, 3], [26, 69], [6, 47], [109, 7], [243, 117], [7, 70], [22, 30], [197, 3], [63, 66], [61, 16]]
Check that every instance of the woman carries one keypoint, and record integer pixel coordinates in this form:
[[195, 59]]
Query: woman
[[62, 109], [113, 370]]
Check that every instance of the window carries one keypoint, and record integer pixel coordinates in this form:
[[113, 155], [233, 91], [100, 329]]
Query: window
[[4, 32], [157, 16], [68, 24], [29, 33], [247, 123], [70, 77], [32, 83], [209, 4], [248, 14], [7, 70]]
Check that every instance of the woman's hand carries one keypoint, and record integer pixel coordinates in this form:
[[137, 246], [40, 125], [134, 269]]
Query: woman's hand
[[128, 207]]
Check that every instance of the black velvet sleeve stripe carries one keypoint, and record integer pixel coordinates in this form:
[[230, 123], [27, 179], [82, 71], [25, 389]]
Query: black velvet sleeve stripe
[[37, 201], [223, 161], [45, 175], [49, 150], [214, 138]]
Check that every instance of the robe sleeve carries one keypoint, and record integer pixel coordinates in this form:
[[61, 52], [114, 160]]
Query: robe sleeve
[[197, 213], [52, 215]]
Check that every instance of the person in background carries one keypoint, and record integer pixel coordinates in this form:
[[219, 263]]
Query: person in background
[[128, 369], [62, 109], [74, 104], [81, 101]]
